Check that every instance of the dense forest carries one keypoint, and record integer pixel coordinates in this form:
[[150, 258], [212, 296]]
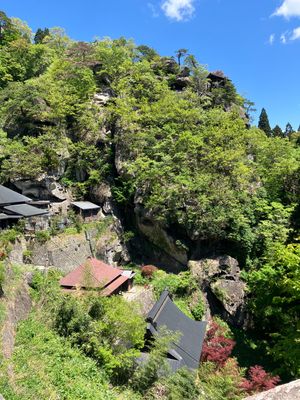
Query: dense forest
[[176, 146]]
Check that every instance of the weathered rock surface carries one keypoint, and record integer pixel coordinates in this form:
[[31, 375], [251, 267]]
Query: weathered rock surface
[[109, 247], [44, 187], [206, 269], [18, 308], [102, 195], [16, 254], [224, 291], [64, 252], [158, 236], [289, 391]]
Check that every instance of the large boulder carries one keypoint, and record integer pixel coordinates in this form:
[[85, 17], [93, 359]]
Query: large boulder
[[44, 187], [289, 391], [207, 269], [225, 292]]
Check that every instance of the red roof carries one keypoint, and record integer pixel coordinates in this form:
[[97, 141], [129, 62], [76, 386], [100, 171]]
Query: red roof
[[114, 285], [93, 274]]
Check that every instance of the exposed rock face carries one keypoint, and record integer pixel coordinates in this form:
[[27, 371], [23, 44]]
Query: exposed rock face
[[159, 237], [290, 391], [219, 279], [63, 252], [17, 252], [101, 194], [109, 247], [101, 99], [45, 187], [18, 309]]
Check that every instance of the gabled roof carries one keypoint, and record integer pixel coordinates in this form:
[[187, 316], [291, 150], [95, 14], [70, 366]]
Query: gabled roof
[[25, 210], [93, 274], [189, 347], [85, 205], [8, 196]]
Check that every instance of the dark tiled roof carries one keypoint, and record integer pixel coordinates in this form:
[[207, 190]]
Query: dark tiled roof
[[85, 205], [25, 210], [8, 196], [189, 347], [4, 216]]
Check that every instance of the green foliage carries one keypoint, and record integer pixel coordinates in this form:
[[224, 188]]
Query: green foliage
[[275, 304], [220, 384], [198, 309], [46, 366], [42, 236], [110, 330], [155, 365], [263, 123], [180, 285], [182, 385]]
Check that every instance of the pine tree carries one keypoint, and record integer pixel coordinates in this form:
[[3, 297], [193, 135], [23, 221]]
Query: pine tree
[[40, 34], [277, 131], [288, 130], [263, 123]]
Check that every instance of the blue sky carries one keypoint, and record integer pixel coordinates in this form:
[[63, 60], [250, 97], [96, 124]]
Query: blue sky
[[255, 42]]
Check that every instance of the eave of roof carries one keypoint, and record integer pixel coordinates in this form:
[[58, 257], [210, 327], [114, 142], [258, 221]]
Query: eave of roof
[[25, 210], [8, 196], [85, 205]]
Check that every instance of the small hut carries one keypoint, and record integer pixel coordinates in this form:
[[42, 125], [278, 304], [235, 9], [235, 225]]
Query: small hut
[[87, 210]]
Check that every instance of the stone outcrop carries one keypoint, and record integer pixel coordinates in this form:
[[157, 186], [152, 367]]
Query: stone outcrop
[[64, 252], [159, 237], [109, 247], [289, 391], [18, 308], [44, 187], [219, 279]]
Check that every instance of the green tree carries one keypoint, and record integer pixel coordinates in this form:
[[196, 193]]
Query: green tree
[[275, 288], [263, 123], [288, 130], [40, 35], [277, 131], [179, 54]]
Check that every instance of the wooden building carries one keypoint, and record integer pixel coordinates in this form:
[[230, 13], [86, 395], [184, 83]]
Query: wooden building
[[187, 351], [95, 274], [14, 206], [87, 210]]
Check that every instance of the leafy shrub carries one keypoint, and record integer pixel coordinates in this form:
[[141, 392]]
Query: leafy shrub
[[138, 278], [182, 385], [46, 366], [42, 236], [216, 347], [180, 285], [198, 309], [259, 380], [222, 383], [9, 236]]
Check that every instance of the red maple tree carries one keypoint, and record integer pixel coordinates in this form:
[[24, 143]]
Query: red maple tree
[[259, 380], [216, 347]]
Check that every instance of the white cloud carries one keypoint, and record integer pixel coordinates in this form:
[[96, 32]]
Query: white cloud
[[295, 34], [153, 9], [178, 10], [289, 8], [283, 38], [271, 38]]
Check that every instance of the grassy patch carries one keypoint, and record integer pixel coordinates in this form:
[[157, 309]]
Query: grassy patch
[[47, 367]]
